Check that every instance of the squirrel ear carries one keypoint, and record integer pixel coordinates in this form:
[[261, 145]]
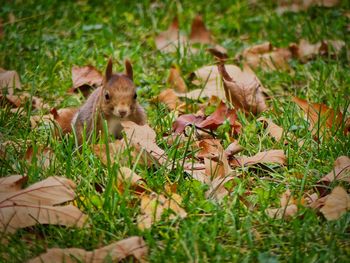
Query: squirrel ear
[[109, 69], [128, 69]]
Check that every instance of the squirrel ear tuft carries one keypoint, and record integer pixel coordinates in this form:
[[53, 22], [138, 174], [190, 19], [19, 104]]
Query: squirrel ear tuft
[[128, 69], [109, 69]]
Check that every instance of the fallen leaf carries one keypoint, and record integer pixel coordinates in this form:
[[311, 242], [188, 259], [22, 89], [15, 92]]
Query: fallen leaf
[[320, 116], [153, 206], [63, 118], [306, 51], [271, 156], [336, 204], [218, 117], [217, 189], [185, 120], [302, 5], [267, 57], [12, 183], [169, 98], [233, 149], [244, 90], [9, 81], [274, 130], [145, 138], [27, 207], [85, 79], [133, 246], [340, 172], [43, 156], [210, 148], [175, 81], [115, 153], [127, 177], [288, 207], [171, 40], [16, 101]]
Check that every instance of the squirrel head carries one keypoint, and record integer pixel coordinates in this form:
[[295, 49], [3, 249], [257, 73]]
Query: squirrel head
[[119, 92]]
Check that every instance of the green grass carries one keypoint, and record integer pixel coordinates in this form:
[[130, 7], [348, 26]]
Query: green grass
[[49, 37]]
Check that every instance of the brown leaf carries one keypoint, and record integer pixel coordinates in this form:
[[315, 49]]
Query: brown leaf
[[9, 80], [169, 98], [133, 246], [85, 79], [128, 177], [12, 183], [116, 153], [145, 138], [274, 130], [27, 207], [171, 39], [267, 57], [271, 156], [306, 51], [233, 149], [153, 206], [175, 80], [321, 117], [302, 5], [43, 156], [217, 189], [17, 101], [341, 171], [210, 148], [288, 207], [185, 120], [218, 117], [336, 204], [244, 90], [63, 118], [199, 32]]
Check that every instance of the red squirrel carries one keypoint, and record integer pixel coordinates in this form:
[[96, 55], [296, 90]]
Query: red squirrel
[[114, 101]]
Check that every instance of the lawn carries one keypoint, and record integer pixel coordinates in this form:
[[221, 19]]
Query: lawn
[[42, 40]]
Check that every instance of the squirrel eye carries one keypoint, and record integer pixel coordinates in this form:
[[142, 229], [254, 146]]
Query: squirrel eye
[[135, 96], [107, 96]]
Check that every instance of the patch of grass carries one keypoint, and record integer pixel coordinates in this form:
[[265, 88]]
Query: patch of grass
[[49, 37]]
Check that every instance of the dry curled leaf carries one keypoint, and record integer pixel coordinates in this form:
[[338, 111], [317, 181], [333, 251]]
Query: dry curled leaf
[[85, 79], [288, 207], [34, 204], [9, 81], [175, 81], [169, 98], [321, 117], [267, 57], [244, 90], [273, 129], [185, 120], [302, 5], [336, 204], [12, 183], [233, 149], [340, 171], [153, 206], [126, 177], [133, 246], [271, 156], [145, 138]]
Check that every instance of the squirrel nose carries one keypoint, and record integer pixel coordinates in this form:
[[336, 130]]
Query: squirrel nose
[[122, 113]]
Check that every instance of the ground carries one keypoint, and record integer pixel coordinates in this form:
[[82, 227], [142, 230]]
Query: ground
[[48, 37]]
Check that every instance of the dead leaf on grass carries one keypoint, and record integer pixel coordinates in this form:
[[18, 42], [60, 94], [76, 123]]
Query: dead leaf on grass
[[145, 138], [133, 246], [273, 129], [267, 57], [43, 156], [233, 149], [127, 177], [85, 79], [306, 51], [271, 156], [336, 204], [175, 81], [302, 5], [244, 90], [169, 98], [185, 120], [340, 171], [12, 183], [153, 205], [34, 204], [288, 207], [320, 116], [9, 81]]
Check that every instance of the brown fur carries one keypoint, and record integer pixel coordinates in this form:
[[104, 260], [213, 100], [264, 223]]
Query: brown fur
[[120, 104]]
